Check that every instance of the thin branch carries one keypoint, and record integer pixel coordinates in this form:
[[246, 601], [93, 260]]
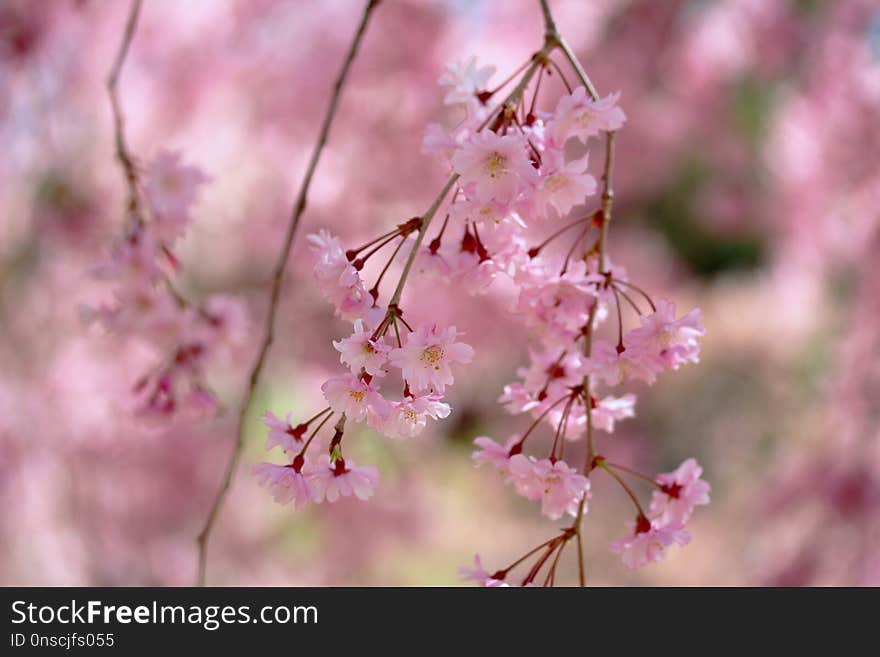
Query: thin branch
[[555, 39], [277, 278], [122, 153]]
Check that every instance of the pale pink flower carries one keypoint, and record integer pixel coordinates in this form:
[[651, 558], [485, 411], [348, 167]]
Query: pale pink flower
[[552, 374], [226, 318], [494, 167], [286, 484], [439, 141], [426, 357], [356, 398], [409, 416], [477, 211], [171, 189], [557, 305], [281, 432], [517, 398], [671, 341], [647, 542], [338, 280], [479, 575], [341, 479], [144, 309], [492, 453], [562, 185], [133, 262], [578, 115], [611, 409], [472, 274], [360, 352], [465, 80], [432, 265], [559, 487], [681, 490], [634, 363]]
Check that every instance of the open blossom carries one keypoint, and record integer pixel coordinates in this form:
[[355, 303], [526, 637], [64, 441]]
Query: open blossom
[[171, 189], [557, 304], [408, 417], [681, 490], [671, 341], [286, 484], [465, 80], [341, 479], [359, 351], [610, 409], [356, 398], [133, 262], [559, 487], [492, 166], [426, 357], [578, 115], [493, 453], [338, 280], [562, 185], [479, 575], [647, 542], [438, 141], [613, 367], [281, 432]]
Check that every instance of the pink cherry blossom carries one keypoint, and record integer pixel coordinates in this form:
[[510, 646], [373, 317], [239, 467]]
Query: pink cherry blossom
[[438, 141], [338, 280], [562, 185], [681, 490], [465, 80], [227, 317], [341, 479], [647, 542], [614, 368], [492, 453], [171, 189], [494, 167], [578, 115], [557, 304], [426, 357], [133, 262], [408, 417], [479, 575], [671, 341], [281, 432], [356, 398], [559, 486], [286, 484], [610, 409], [360, 352]]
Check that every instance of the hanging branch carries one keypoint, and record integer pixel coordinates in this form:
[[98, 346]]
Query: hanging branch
[[277, 279], [122, 153]]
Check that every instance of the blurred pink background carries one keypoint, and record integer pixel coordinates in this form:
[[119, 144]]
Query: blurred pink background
[[748, 183]]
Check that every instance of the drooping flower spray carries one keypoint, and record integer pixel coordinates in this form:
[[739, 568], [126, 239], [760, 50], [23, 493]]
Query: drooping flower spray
[[143, 268], [514, 170], [510, 170]]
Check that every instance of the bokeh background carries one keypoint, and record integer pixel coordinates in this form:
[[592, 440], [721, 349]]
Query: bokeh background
[[748, 183]]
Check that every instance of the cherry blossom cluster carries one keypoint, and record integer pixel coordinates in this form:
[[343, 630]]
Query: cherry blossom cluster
[[141, 267], [516, 176], [515, 171], [421, 358]]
